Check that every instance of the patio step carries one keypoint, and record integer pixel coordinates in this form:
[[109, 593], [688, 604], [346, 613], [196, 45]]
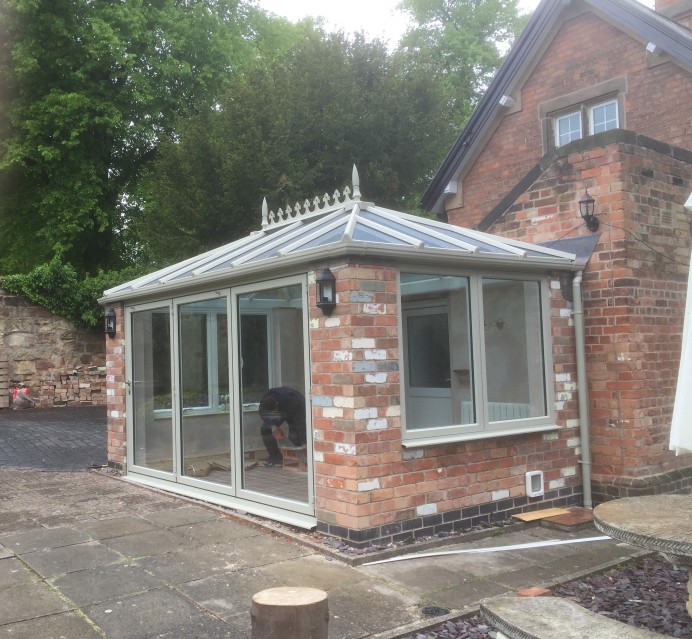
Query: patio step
[[553, 618]]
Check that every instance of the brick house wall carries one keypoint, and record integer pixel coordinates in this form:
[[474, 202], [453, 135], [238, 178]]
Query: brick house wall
[[656, 104], [634, 296], [368, 486]]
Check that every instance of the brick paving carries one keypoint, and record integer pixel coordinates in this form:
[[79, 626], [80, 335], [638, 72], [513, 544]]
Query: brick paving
[[53, 439]]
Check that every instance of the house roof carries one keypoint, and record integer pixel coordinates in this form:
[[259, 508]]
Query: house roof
[[340, 226], [629, 15]]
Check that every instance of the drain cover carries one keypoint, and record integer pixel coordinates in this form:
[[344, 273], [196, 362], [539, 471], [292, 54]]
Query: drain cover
[[434, 611]]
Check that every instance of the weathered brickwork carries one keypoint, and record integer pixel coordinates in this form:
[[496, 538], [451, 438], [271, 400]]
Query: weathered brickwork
[[368, 486], [115, 375], [656, 104], [634, 295], [62, 365]]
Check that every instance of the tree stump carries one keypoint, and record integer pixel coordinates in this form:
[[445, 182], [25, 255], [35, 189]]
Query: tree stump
[[289, 613]]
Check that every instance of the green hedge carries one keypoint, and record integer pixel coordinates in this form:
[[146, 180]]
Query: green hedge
[[57, 287]]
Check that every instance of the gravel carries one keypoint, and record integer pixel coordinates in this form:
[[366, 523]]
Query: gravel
[[650, 594]]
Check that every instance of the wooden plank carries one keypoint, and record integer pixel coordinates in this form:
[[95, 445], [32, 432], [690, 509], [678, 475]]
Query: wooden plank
[[541, 514]]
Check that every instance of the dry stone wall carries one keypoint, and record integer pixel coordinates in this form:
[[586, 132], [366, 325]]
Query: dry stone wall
[[62, 365]]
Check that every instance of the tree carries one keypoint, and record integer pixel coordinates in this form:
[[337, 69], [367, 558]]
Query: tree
[[89, 89], [461, 42], [290, 130]]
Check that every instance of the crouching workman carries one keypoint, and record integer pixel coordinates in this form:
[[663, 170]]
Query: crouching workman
[[279, 405]]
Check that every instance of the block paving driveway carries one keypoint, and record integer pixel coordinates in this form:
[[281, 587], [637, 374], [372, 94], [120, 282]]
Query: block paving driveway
[[55, 439]]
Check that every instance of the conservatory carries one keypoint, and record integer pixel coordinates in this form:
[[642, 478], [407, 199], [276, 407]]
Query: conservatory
[[393, 362]]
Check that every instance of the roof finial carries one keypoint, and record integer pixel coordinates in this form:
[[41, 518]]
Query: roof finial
[[265, 214], [356, 184]]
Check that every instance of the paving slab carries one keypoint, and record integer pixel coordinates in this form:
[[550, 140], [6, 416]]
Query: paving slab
[[43, 539], [226, 596], [118, 527], [104, 582], [13, 572], [374, 606], [155, 542], [313, 571], [29, 601], [148, 614], [180, 515], [188, 565], [68, 625], [58, 561], [216, 531], [262, 550]]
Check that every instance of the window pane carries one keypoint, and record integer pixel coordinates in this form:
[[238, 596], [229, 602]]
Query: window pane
[[272, 388], [438, 362], [151, 389], [567, 128], [604, 117], [204, 390], [513, 349], [428, 351]]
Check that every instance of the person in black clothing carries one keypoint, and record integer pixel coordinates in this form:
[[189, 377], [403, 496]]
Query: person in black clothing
[[279, 405]]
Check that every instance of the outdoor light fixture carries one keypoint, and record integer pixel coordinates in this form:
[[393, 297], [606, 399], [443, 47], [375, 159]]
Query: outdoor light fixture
[[586, 208], [109, 316], [326, 291]]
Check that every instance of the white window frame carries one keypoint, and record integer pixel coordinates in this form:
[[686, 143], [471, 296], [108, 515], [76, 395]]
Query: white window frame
[[604, 105], [482, 428], [567, 116]]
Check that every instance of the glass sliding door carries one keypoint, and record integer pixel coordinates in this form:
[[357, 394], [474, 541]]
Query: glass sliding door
[[204, 397], [150, 389], [274, 433]]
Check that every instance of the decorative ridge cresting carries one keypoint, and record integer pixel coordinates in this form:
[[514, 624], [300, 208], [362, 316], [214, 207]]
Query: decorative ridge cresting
[[318, 206]]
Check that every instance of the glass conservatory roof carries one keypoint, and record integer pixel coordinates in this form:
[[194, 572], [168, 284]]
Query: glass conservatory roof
[[337, 227]]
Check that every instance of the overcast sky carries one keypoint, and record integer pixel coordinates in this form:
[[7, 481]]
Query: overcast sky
[[378, 18]]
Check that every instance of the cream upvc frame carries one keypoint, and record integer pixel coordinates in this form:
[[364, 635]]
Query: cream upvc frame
[[294, 513], [482, 428]]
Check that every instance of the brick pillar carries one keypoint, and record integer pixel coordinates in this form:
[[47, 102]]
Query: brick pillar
[[355, 388], [115, 391]]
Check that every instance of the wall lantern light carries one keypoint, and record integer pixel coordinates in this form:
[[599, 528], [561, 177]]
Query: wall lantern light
[[326, 291], [586, 208], [109, 317]]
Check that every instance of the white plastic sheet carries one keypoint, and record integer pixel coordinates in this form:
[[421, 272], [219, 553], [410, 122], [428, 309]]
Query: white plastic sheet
[[681, 426]]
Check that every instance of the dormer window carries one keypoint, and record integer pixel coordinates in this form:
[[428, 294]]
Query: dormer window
[[595, 118]]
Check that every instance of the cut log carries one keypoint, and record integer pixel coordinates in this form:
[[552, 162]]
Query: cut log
[[290, 613]]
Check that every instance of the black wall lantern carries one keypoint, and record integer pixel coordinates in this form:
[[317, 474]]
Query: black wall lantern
[[326, 291], [109, 317], [586, 208]]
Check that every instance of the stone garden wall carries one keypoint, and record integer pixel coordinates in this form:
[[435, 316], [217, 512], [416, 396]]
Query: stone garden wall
[[60, 364]]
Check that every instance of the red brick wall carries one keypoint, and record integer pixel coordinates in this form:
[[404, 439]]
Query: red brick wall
[[656, 105], [367, 485], [634, 294], [115, 377]]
